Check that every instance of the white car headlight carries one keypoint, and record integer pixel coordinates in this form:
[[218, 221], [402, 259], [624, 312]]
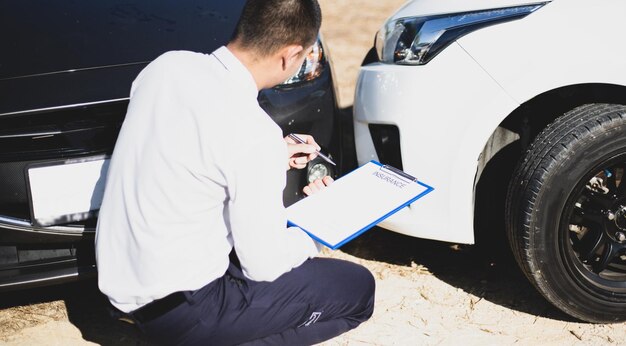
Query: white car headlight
[[416, 40]]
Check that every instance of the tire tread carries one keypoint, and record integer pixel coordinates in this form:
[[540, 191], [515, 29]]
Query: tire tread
[[525, 187]]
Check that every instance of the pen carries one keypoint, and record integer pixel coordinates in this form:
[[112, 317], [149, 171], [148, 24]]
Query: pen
[[300, 140]]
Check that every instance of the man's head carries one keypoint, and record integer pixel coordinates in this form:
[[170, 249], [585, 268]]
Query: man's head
[[268, 25], [269, 30]]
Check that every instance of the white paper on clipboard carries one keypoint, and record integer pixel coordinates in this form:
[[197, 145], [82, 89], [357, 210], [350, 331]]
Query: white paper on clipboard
[[355, 203]]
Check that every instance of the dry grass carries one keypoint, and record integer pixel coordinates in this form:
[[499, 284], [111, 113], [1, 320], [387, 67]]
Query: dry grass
[[15, 319]]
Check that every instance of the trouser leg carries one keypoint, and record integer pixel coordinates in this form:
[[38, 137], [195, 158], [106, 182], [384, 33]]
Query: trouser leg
[[336, 295], [314, 302]]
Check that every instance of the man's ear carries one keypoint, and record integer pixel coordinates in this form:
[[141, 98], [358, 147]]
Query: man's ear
[[289, 54]]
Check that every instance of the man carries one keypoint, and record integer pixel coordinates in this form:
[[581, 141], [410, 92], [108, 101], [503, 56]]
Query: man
[[182, 192]]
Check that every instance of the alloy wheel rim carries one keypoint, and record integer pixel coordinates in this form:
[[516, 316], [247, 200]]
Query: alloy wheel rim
[[593, 228]]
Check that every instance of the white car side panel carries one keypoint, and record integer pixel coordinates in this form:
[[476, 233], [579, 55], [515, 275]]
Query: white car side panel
[[447, 109], [564, 43], [437, 143]]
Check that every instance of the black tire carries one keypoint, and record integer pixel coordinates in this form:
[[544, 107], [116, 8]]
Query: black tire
[[566, 213]]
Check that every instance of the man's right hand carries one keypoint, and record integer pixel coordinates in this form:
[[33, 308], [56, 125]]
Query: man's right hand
[[300, 154]]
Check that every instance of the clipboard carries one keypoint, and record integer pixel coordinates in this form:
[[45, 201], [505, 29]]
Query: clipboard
[[355, 203]]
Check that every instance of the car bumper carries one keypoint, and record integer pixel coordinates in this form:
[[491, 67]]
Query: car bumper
[[436, 109]]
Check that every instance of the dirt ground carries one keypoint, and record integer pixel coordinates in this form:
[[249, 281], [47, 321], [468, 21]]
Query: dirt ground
[[428, 293]]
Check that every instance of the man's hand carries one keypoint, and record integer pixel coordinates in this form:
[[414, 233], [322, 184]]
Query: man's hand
[[301, 154], [317, 185]]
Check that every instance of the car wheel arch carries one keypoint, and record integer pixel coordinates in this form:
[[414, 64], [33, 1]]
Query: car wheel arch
[[508, 141]]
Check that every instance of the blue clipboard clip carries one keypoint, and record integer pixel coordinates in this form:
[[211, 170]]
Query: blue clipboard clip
[[396, 171]]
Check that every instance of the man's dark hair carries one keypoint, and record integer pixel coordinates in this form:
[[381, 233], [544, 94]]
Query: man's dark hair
[[268, 25]]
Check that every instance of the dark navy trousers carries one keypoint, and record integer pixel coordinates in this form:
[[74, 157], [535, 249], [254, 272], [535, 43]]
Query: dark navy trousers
[[317, 301]]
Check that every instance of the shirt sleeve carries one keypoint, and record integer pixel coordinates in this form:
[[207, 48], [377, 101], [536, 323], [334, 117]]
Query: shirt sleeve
[[265, 246]]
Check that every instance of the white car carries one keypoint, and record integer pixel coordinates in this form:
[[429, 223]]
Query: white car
[[513, 108]]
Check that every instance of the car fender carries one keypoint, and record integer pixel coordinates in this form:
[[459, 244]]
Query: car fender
[[554, 47]]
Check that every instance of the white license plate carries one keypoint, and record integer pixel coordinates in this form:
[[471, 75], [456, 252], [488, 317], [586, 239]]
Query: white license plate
[[67, 191]]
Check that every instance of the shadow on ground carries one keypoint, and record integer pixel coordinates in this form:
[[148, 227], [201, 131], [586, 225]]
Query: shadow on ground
[[86, 308], [470, 268], [90, 312]]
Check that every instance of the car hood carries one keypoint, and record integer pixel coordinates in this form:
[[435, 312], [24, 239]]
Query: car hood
[[41, 38], [435, 7]]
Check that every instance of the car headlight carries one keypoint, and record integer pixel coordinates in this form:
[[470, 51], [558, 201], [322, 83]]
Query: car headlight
[[416, 40], [312, 67]]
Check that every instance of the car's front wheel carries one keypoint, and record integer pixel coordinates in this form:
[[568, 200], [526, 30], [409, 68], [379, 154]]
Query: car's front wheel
[[566, 213]]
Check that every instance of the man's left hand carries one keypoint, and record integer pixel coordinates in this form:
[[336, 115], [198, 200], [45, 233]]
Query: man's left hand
[[317, 186]]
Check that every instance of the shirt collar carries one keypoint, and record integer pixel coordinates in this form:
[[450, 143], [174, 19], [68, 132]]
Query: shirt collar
[[241, 73]]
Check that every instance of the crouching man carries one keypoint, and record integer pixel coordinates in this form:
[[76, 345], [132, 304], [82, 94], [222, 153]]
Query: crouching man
[[182, 193]]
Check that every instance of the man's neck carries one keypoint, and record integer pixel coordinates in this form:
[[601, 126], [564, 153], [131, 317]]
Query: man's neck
[[259, 68]]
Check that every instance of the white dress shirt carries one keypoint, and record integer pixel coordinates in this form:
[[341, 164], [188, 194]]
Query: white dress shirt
[[198, 167]]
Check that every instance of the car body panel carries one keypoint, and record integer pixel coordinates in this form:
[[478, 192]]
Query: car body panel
[[577, 54], [67, 35], [51, 92], [469, 89]]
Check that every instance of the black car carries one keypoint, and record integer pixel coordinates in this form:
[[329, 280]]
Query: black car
[[65, 73]]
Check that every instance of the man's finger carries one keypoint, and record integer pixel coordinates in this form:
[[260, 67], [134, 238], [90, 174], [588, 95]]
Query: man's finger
[[319, 184], [301, 160], [301, 149], [296, 165], [311, 141], [314, 188], [307, 190]]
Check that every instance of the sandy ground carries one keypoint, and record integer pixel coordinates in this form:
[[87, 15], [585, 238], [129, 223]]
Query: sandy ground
[[428, 293]]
